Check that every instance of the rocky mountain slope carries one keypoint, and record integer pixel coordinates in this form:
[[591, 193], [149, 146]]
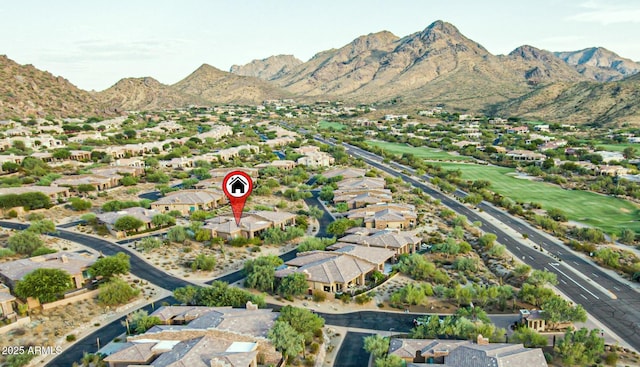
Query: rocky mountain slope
[[600, 64], [272, 67], [583, 102], [438, 64], [145, 94], [27, 91], [217, 86]]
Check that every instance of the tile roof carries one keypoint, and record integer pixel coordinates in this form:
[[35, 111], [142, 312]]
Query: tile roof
[[190, 197], [329, 267], [71, 262]]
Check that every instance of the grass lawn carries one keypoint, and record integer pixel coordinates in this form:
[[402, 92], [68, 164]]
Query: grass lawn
[[607, 213], [618, 147], [420, 152], [331, 125]]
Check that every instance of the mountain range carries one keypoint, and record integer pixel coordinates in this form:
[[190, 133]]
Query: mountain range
[[438, 65]]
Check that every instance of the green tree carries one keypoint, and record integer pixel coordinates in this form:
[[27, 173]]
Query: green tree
[[109, 266], [315, 212], [44, 284], [487, 240], [116, 292], [177, 234], [391, 360], [202, 235], [185, 295], [305, 322], [540, 278], [42, 226], [293, 285], [161, 220], [340, 226], [629, 152], [10, 167], [84, 188], [61, 154], [139, 321], [148, 243], [473, 199], [627, 236], [376, 345], [78, 204], [261, 277], [580, 347], [128, 180], [24, 242], [558, 310], [529, 338], [203, 262], [221, 294], [128, 223], [286, 339]]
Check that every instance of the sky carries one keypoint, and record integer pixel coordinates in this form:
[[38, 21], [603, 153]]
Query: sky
[[96, 43]]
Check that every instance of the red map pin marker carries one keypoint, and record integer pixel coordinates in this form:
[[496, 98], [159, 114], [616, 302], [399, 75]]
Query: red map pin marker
[[237, 185]]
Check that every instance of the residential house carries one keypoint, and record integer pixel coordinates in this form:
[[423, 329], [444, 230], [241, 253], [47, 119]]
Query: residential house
[[253, 224], [74, 263], [401, 242], [279, 142], [607, 170], [199, 337], [218, 174], [129, 162], [345, 173], [543, 127], [217, 132], [100, 182], [330, 271], [7, 303], [519, 130], [54, 193], [533, 320], [109, 219], [361, 183], [180, 162], [279, 164], [316, 159], [17, 159], [82, 137], [230, 153], [43, 156], [80, 155], [382, 216], [361, 200], [464, 353], [187, 201], [525, 155], [115, 170]]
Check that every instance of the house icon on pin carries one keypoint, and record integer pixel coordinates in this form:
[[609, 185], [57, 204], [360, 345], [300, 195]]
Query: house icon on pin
[[238, 185]]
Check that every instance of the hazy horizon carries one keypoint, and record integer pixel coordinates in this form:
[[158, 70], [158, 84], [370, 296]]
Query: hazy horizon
[[95, 44]]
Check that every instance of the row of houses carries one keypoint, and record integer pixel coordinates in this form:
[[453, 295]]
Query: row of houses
[[346, 265], [197, 336]]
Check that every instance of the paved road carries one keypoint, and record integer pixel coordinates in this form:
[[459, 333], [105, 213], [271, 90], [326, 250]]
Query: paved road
[[352, 353], [621, 315]]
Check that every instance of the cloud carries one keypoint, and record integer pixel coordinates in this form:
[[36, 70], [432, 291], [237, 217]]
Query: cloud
[[607, 13], [115, 51]]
